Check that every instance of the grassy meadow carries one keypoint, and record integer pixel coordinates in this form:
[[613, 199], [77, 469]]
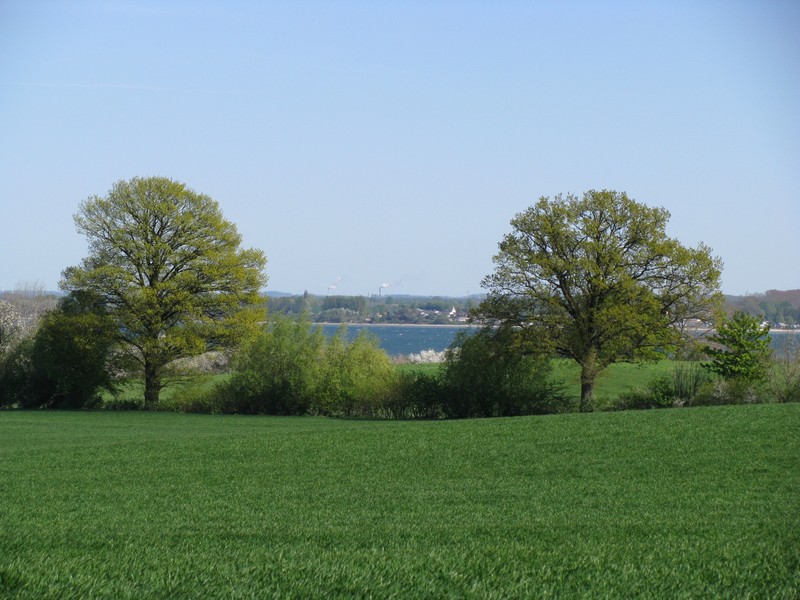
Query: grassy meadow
[[701, 502], [616, 379]]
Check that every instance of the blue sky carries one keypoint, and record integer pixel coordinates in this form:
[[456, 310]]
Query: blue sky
[[366, 143]]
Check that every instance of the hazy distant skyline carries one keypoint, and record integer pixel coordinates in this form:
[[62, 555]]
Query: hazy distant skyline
[[368, 146]]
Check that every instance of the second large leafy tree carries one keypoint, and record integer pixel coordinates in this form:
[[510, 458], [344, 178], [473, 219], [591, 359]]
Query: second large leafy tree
[[597, 279]]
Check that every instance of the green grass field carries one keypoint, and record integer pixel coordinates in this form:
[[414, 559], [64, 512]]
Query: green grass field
[[611, 382], [701, 502]]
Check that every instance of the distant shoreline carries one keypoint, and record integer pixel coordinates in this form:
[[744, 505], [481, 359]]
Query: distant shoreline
[[473, 325], [396, 324]]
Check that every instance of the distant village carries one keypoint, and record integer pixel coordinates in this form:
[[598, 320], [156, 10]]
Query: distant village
[[780, 310]]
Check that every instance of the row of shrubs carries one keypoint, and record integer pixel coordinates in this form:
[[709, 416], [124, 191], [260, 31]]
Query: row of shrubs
[[293, 369], [691, 384]]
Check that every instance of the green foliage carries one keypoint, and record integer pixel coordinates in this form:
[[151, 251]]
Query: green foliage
[[417, 394], [485, 376], [680, 387], [65, 362], [170, 271], [17, 374], [783, 378], [731, 391], [279, 372], [596, 279], [71, 355], [745, 349], [357, 377], [697, 503], [292, 369], [203, 394]]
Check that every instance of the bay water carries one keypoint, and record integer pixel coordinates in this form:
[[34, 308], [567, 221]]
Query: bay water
[[402, 340]]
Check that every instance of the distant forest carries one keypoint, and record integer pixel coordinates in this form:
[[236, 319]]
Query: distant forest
[[781, 309]]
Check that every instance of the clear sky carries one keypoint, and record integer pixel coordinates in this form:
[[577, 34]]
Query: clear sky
[[361, 143]]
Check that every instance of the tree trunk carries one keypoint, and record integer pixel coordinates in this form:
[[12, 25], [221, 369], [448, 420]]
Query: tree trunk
[[152, 384], [587, 391], [589, 370]]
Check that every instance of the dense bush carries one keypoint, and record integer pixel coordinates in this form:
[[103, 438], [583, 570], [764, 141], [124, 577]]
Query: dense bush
[[278, 373], [65, 362], [721, 391], [71, 354], [357, 378], [693, 385], [293, 369], [16, 374], [416, 395], [483, 376]]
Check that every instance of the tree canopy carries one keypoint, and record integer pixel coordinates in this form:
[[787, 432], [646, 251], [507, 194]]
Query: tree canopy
[[597, 279], [168, 268]]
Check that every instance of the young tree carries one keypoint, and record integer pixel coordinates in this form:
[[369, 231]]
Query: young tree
[[170, 271], [596, 279], [745, 349]]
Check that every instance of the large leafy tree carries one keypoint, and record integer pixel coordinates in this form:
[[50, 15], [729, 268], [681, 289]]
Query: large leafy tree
[[597, 279], [169, 270]]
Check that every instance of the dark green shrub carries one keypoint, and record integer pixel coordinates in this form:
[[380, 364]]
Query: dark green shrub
[[16, 375], [730, 391], [485, 376], [117, 403], [416, 395], [653, 396], [71, 355]]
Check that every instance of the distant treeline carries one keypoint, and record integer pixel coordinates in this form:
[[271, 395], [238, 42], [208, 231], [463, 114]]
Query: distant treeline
[[779, 308], [428, 310]]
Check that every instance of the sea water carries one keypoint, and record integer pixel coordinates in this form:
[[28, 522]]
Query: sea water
[[402, 340]]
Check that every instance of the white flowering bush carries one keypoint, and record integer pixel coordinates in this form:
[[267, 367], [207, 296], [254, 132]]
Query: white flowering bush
[[12, 326], [427, 356]]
